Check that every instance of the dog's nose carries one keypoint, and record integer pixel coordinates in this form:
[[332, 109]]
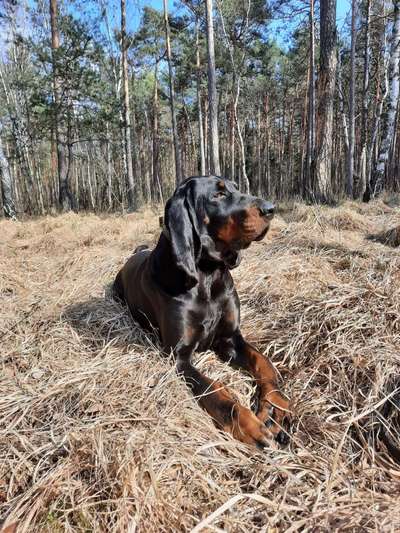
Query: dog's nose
[[266, 208]]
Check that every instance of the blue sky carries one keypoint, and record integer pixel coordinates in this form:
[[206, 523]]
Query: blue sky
[[280, 30], [135, 7], [343, 7]]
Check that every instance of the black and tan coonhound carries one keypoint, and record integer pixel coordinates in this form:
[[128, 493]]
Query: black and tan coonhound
[[184, 289]]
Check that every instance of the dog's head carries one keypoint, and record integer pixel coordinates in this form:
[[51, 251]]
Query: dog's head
[[208, 218]]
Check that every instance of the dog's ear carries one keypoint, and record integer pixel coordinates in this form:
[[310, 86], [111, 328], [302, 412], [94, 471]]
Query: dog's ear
[[181, 223]]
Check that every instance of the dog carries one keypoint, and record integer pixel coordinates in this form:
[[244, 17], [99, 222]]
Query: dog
[[183, 288]]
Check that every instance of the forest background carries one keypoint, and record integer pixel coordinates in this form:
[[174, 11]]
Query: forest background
[[107, 105]]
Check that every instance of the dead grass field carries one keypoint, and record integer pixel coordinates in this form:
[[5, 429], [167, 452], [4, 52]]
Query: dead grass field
[[98, 434]]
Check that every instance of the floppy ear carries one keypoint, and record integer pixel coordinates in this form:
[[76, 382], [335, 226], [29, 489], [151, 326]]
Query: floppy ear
[[181, 223]]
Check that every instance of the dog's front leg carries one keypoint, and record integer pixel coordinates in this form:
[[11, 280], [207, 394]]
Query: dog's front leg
[[216, 399], [273, 408]]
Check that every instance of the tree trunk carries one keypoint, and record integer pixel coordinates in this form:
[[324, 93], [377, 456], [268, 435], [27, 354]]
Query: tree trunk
[[326, 93], [212, 94], [350, 153], [109, 168], [380, 98], [311, 104], [65, 196], [378, 178], [304, 184], [244, 179], [143, 148], [362, 167], [259, 152], [341, 105], [53, 166], [199, 106], [178, 169], [6, 185], [267, 140], [206, 133], [137, 177], [289, 156], [191, 145], [156, 149], [232, 140], [126, 112]]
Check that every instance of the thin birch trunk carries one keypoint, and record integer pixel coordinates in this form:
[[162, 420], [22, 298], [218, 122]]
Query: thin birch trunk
[[206, 134], [147, 170], [126, 113], [373, 145], [155, 148], [378, 179], [258, 152], [212, 94], [199, 106], [341, 105], [109, 167], [243, 173], [236, 87], [362, 167], [350, 153], [178, 169], [232, 140]]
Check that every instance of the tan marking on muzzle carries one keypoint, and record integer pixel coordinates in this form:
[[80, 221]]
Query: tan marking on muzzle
[[254, 223]]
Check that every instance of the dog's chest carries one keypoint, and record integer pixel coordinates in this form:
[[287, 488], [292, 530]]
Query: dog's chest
[[206, 328], [207, 312]]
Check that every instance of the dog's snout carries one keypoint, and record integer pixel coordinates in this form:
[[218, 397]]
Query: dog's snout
[[266, 208]]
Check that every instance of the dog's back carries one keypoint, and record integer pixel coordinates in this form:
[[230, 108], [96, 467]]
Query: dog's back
[[118, 289]]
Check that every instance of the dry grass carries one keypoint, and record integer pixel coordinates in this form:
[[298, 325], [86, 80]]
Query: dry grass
[[390, 237], [98, 434]]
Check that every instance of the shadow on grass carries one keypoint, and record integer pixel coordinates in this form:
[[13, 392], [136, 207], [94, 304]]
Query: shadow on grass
[[390, 237], [99, 321]]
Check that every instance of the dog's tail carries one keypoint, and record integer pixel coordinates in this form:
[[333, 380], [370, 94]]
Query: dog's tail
[[140, 248], [117, 289]]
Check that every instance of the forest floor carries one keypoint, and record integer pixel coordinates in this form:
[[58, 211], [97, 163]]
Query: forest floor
[[97, 433]]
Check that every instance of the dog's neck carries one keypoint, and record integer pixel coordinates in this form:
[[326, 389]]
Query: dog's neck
[[207, 263], [165, 271]]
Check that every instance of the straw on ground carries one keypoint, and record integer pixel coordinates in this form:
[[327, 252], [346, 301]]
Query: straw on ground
[[97, 433]]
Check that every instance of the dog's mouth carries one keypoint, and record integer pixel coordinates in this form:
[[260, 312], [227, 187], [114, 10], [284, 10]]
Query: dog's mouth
[[235, 235], [255, 228], [263, 233], [244, 242], [254, 235]]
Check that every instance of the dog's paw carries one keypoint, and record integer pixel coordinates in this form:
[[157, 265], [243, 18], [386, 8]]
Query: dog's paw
[[274, 412], [246, 427]]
